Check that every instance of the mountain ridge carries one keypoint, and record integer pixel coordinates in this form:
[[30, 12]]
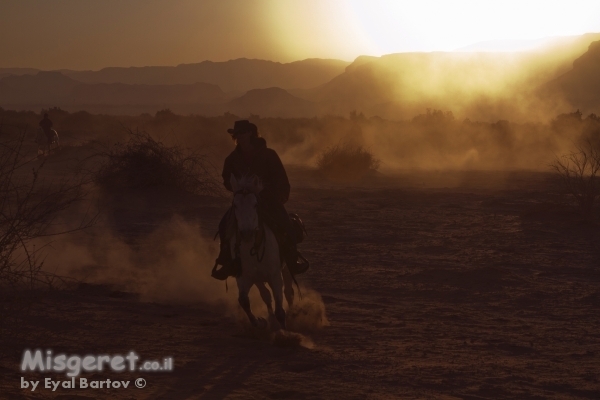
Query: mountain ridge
[[239, 75], [485, 85], [580, 86]]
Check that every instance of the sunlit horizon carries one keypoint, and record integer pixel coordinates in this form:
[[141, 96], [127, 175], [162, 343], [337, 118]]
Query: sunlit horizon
[[69, 34]]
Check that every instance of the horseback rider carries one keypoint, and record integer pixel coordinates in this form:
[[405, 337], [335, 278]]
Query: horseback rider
[[46, 125], [251, 156]]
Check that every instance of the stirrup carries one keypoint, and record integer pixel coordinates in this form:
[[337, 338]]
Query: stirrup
[[300, 267]]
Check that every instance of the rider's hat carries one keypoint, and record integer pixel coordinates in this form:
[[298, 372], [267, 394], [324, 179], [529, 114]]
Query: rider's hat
[[243, 126]]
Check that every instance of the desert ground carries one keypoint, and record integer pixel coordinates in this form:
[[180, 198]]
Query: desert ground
[[423, 285]]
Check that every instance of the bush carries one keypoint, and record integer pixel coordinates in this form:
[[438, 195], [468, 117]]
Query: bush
[[144, 163], [344, 162], [578, 174]]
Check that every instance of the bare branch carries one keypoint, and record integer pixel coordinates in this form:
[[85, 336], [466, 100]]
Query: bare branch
[[29, 208], [578, 173]]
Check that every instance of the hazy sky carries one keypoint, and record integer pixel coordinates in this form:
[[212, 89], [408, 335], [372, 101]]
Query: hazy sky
[[92, 34]]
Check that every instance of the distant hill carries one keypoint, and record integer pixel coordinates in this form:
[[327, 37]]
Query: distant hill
[[238, 75], [122, 94], [540, 44], [44, 87], [271, 102], [580, 86], [482, 86], [17, 71], [54, 89], [49, 89]]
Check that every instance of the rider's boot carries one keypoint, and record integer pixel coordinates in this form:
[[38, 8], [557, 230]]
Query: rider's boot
[[230, 266], [295, 262]]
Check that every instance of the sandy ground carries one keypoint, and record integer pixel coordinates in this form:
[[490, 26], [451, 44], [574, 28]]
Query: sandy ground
[[434, 286]]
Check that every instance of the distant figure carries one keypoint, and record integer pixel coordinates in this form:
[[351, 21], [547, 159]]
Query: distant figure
[[46, 125], [46, 138]]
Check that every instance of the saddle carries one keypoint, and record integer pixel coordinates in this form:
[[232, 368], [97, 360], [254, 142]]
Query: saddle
[[282, 240]]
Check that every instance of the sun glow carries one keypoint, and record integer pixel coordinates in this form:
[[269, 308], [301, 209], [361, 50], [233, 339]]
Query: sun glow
[[393, 26], [346, 29], [93, 34], [316, 28]]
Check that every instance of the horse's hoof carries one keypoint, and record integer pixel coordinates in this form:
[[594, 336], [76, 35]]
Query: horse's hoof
[[280, 315], [261, 323]]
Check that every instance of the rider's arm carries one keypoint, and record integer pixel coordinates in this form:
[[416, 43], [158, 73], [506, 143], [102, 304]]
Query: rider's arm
[[279, 179]]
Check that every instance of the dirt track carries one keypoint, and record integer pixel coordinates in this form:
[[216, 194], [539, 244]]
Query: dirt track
[[483, 290]]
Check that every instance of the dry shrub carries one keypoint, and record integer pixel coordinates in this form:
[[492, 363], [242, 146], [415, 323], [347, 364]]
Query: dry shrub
[[29, 208], [144, 162], [344, 162], [578, 173]]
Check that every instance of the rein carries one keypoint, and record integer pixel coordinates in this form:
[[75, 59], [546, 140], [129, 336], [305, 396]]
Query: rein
[[243, 192]]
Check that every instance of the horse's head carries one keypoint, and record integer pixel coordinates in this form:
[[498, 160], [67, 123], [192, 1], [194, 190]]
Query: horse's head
[[245, 204]]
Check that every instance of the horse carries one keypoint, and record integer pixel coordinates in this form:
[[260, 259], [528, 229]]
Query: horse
[[45, 146], [256, 246]]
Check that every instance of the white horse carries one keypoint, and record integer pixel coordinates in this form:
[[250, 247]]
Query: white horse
[[258, 250], [44, 147]]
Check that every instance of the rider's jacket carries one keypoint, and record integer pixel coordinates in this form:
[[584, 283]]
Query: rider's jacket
[[46, 124], [266, 164]]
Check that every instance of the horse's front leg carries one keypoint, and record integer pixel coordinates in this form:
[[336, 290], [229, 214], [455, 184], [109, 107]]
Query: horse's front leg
[[276, 284], [243, 290], [266, 296]]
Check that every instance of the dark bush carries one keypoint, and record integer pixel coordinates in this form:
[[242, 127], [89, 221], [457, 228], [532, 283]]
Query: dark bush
[[143, 163], [344, 162]]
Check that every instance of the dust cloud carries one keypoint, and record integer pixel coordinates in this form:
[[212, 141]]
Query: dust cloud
[[308, 312], [170, 265], [482, 86], [457, 111], [434, 140]]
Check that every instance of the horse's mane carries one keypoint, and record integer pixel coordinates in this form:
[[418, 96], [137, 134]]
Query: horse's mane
[[247, 182]]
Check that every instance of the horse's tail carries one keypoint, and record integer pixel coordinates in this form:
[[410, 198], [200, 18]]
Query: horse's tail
[[297, 286], [55, 139]]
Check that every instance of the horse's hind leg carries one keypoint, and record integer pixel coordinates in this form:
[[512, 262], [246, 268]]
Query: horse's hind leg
[[288, 287], [266, 295]]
